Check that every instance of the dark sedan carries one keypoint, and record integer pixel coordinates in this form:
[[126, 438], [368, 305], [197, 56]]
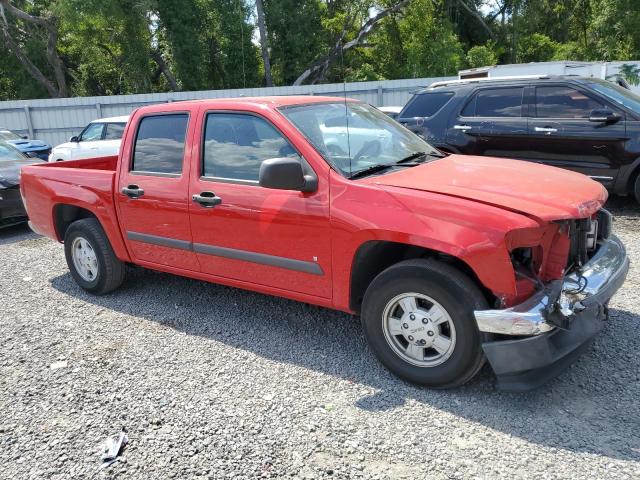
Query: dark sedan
[[11, 208]]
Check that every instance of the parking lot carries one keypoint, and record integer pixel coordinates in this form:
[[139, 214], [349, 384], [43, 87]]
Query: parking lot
[[216, 382]]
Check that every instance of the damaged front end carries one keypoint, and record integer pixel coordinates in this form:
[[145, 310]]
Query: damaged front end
[[537, 338]]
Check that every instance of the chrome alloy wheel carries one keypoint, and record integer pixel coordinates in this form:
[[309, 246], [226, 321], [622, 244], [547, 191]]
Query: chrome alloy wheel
[[84, 259], [418, 329]]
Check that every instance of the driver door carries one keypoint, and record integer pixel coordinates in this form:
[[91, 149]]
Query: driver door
[[276, 238]]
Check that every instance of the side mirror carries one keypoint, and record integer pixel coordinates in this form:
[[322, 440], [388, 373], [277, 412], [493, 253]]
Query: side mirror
[[286, 174], [603, 115], [74, 139]]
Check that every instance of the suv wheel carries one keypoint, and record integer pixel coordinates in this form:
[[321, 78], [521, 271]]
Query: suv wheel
[[636, 188], [91, 260], [418, 318]]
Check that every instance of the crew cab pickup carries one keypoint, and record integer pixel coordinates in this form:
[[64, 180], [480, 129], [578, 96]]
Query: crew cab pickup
[[449, 260]]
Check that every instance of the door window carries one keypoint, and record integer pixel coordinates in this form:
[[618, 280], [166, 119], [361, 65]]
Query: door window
[[92, 133], [426, 104], [563, 102], [236, 144], [497, 102], [114, 131], [159, 146]]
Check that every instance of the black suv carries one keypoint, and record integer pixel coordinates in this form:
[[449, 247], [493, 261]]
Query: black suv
[[584, 124]]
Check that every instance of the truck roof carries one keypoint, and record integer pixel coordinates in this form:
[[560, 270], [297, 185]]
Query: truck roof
[[270, 102]]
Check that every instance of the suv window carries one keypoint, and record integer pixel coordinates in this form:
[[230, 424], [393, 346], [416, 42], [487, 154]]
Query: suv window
[[498, 102], [92, 133], [426, 104], [114, 131], [563, 102], [236, 144], [159, 144]]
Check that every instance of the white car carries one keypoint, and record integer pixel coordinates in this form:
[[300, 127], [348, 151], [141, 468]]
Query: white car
[[100, 138], [393, 112]]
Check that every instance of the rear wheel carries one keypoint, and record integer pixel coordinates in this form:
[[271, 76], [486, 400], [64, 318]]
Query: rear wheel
[[418, 318], [91, 260]]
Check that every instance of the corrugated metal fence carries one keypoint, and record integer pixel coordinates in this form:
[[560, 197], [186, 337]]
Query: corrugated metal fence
[[55, 120]]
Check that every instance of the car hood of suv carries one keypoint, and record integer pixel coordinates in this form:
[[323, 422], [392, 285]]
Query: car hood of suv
[[540, 191]]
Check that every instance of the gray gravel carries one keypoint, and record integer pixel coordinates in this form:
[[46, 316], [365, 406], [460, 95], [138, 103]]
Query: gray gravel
[[216, 382]]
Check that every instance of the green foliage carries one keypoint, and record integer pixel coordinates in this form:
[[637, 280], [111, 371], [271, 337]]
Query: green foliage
[[536, 47], [113, 47], [631, 73], [480, 56], [297, 36]]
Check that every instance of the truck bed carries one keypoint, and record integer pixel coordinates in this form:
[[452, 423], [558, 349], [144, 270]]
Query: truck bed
[[86, 184]]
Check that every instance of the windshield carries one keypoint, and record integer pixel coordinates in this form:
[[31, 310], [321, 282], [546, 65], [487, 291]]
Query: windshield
[[617, 94], [8, 153], [8, 135], [355, 137]]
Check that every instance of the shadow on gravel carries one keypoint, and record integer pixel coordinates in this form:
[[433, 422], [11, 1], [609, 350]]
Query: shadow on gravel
[[593, 408], [16, 233], [623, 207]]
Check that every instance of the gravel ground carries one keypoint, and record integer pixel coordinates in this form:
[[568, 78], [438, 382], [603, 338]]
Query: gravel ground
[[216, 382]]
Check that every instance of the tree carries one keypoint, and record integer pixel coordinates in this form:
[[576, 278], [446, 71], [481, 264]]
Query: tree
[[264, 44], [481, 56], [318, 68], [15, 26]]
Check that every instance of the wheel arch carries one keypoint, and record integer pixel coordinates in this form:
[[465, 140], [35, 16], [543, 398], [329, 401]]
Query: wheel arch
[[374, 256], [64, 214]]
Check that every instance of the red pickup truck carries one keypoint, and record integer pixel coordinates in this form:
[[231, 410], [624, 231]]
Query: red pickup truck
[[449, 260]]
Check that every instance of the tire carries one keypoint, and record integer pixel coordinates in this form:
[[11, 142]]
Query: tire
[[636, 188], [439, 287], [99, 271]]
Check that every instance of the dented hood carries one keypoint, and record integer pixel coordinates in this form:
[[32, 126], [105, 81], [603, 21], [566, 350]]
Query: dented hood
[[540, 191]]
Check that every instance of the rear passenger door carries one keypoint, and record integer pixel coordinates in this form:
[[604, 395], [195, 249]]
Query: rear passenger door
[[562, 135], [153, 188], [493, 123]]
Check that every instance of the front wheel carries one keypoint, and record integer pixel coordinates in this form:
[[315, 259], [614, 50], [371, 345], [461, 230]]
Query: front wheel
[[91, 260], [418, 318]]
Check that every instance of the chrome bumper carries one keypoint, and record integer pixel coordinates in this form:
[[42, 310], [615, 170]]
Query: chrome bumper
[[594, 283]]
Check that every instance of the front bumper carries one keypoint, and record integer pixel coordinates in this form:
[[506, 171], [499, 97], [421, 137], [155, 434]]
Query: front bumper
[[558, 322]]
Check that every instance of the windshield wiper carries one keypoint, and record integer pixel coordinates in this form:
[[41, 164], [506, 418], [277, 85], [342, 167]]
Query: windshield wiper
[[403, 162], [413, 156], [370, 170]]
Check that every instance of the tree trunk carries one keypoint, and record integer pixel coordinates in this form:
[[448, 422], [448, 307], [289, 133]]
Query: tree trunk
[[164, 68], [264, 44], [321, 65], [50, 25]]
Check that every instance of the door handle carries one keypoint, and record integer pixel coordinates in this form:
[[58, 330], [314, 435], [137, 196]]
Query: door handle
[[133, 191], [547, 130], [464, 128], [207, 199]]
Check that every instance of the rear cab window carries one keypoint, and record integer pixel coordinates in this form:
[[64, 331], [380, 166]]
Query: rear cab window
[[495, 103], [426, 104], [159, 144]]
